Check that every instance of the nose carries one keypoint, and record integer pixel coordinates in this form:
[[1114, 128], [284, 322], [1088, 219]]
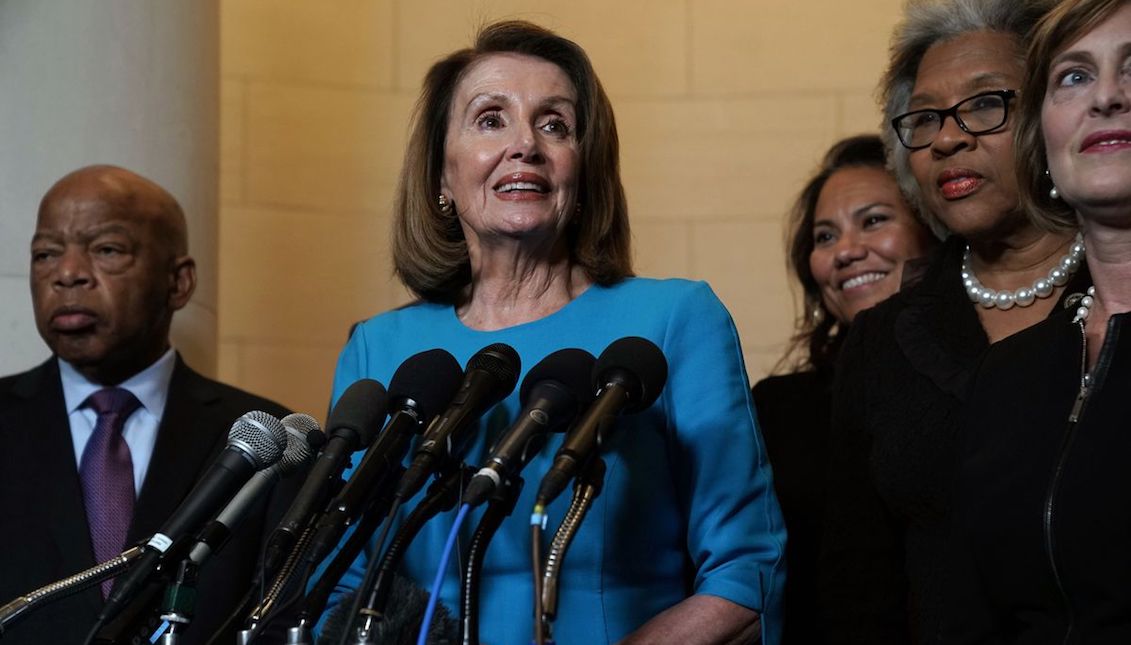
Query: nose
[[848, 249], [73, 269], [525, 145], [951, 138], [1110, 97]]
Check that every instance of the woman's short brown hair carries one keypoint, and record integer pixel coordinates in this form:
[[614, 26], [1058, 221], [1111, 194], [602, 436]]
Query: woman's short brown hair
[[1068, 21], [429, 250]]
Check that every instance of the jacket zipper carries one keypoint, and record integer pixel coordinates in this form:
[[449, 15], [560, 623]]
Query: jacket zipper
[[1054, 484]]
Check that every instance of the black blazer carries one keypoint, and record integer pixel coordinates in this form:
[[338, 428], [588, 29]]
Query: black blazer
[[1041, 546], [43, 530]]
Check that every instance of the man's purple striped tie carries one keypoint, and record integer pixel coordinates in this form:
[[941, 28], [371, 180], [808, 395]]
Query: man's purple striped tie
[[108, 476]]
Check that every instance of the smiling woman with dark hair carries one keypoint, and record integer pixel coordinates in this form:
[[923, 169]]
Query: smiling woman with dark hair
[[851, 236]]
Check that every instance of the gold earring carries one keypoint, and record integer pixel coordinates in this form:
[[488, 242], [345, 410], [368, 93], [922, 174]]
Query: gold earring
[[444, 204]]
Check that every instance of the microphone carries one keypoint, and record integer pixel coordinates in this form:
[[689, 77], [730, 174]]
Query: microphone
[[490, 376], [254, 442], [353, 423], [552, 394], [419, 389], [295, 456], [628, 377]]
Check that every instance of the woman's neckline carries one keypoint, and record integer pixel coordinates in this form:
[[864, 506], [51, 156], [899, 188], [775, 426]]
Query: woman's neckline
[[584, 294]]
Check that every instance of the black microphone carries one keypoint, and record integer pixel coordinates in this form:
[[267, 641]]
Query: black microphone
[[420, 388], [490, 376], [628, 377], [295, 456], [254, 442], [353, 423], [552, 394]]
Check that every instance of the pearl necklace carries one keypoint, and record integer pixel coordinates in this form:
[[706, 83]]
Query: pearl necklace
[[1085, 305], [1005, 299]]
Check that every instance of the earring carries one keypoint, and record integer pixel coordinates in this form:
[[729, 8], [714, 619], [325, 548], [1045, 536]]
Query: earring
[[444, 203], [1054, 193], [818, 314]]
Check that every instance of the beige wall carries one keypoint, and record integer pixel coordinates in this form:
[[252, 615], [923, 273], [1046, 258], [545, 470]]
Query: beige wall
[[723, 107]]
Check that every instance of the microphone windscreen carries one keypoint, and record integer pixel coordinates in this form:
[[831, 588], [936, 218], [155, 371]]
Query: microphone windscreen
[[429, 378], [361, 408], [401, 622], [502, 363], [639, 358], [298, 451], [571, 367], [259, 435]]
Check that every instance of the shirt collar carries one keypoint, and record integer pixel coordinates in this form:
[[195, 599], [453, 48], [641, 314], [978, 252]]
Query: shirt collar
[[150, 386]]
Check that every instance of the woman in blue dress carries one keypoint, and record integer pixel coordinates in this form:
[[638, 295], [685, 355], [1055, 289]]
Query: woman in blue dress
[[511, 226]]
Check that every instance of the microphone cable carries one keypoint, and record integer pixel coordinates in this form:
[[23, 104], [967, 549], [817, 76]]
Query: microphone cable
[[438, 582], [538, 520]]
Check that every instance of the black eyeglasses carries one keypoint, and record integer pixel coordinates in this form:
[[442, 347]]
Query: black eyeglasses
[[978, 114]]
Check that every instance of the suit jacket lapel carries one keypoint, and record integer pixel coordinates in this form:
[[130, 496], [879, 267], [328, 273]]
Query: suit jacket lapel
[[53, 478], [185, 444]]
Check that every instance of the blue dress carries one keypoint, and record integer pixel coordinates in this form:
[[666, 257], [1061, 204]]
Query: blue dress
[[687, 507]]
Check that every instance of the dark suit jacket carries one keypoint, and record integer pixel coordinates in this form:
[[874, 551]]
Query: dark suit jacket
[[43, 530]]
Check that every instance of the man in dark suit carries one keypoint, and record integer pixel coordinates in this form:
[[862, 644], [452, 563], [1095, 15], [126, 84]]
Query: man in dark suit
[[78, 480]]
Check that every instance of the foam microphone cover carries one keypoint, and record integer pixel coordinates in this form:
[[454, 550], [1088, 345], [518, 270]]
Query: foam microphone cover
[[570, 367], [500, 361], [360, 409], [636, 364], [428, 379]]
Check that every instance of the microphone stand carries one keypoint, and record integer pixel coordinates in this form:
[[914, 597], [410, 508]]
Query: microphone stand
[[277, 564], [266, 610], [319, 595], [586, 489], [499, 507], [15, 610], [178, 606], [442, 495]]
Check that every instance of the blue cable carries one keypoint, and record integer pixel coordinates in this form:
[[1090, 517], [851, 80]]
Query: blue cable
[[435, 597]]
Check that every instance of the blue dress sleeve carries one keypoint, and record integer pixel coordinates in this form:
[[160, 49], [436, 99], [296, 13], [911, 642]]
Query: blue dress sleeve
[[735, 531]]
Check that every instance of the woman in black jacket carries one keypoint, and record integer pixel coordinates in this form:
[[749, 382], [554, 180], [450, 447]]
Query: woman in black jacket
[[955, 73], [851, 235], [1042, 505]]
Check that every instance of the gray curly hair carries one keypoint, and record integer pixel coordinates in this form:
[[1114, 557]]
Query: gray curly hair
[[925, 23]]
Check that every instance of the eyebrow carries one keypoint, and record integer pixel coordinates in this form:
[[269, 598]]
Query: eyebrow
[[863, 210], [498, 97], [1084, 56], [104, 229], [981, 82]]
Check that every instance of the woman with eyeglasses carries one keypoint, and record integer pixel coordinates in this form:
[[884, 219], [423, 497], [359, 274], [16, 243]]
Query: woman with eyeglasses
[[1042, 525], [904, 371]]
